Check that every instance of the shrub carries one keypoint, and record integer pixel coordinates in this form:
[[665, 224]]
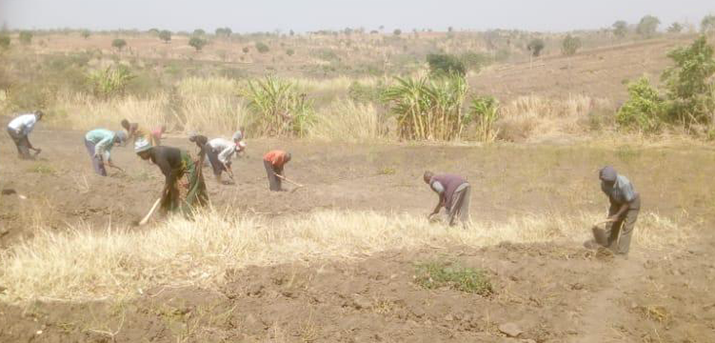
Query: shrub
[[25, 37], [197, 43], [428, 109], [444, 64], [119, 44], [690, 85], [363, 94], [644, 109], [485, 112], [111, 81], [675, 28], [223, 32], [570, 45], [278, 108], [648, 26], [290, 52], [245, 49], [535, 46], [620, 29], [432, 275], [262, 47], [85, 33], [397, 32], [708, 24], [475, 61], [199, 32], [4, 42], [165, 35]]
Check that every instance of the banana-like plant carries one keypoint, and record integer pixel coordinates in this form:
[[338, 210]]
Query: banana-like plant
[[279, 109]]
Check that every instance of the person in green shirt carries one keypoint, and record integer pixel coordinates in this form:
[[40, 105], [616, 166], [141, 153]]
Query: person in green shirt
[[99, 143]]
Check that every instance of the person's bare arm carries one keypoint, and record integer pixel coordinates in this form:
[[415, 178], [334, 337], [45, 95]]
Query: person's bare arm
[[439, 206], [621, 211]]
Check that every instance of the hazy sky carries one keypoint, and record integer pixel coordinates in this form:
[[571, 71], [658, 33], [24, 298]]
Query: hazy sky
[[309, 15]]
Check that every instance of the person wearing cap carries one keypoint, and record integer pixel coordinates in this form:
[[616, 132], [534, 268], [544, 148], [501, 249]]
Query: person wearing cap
[[99, 143], [274, 161], [625, 204], [220, 153], [184, 186], [454, 195], [19, 130]]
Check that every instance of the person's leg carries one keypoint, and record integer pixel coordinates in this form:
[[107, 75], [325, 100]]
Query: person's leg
[[15, 139], [216, 165], [613, 228], [279, 181], [272, 179], [464, 208], [97, 163], [629, 224], [24, 148]]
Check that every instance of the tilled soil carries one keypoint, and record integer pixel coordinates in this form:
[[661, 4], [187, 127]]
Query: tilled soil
[[550, 292]]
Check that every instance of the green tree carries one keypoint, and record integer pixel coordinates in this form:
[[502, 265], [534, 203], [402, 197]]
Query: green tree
[[444, 64], [4, 41], [708, 24], [620, 29], [535, 46], [224, 32], [570, 45], [397, 32], [290, 52], [648, 26], [675, 28], [262, 47], [119, 44], [644, 110], [25, 37], [199, 32], [690, 84], [197, 43], [85, 33], [165, 35]]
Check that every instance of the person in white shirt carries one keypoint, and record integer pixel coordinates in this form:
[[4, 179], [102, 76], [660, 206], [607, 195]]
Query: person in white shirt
[[19, 129], [220, 152]]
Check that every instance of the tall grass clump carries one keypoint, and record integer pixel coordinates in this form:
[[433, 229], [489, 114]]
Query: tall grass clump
[[428, 109], [81, 111], [210, 105], [345, 120], [110, 81], [278, 109], [485, 113]]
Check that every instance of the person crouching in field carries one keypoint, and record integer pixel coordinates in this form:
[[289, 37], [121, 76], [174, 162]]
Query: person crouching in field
[[135, 132], [454, 195], [99, 143], [625, 205], [19, 129], [274, 161], [220, 153], [184, 186]]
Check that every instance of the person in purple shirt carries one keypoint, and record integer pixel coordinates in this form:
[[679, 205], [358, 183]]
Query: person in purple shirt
[[454, 195]]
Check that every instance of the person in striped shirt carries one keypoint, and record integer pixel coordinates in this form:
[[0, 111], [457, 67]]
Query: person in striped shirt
[[274, 161]]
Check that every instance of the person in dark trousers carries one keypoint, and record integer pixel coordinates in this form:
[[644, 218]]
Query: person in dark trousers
[[454, 195], [184, 186], [220, 153], [99, 143], [274, 161], [625, 205], [19, 130]]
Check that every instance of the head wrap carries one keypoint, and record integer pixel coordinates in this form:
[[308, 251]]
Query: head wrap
[[608, 174], [141, 145], [238, 136]]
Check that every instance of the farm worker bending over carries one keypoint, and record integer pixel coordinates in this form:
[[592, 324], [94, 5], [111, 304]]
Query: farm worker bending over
[[19, 129], [99, 143], [184, 186], [220, 152], [135, 133], [453, 193], [274, 161], [623, 212]]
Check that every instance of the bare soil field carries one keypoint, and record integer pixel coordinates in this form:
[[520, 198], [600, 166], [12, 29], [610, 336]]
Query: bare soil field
[[546, 292]]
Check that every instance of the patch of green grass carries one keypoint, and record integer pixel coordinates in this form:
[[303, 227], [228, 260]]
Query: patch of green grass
[[387, 171], [439, 274], [42, 168]]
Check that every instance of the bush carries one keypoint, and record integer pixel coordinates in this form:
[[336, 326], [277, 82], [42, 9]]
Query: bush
[[245, 49], [690, 84], [165, 35], [199, 32], [443, 64], [25, 37], [644, 110], [119, 44], [109, 82], [708, 24], [223, 32], [474, 61], [262, 47], [85, 34], [278, 108], [675, 28], [4, 42], [570, 45], [620, 29], [197, 43], [427, 109], [648, 26], [485, 112], [397, 32], [363, 94], [535, 46], [290, 52]]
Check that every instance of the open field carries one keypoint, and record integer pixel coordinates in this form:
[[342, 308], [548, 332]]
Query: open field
[[338, 259]]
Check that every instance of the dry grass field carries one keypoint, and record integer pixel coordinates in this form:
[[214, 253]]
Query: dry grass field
[[350, 257]]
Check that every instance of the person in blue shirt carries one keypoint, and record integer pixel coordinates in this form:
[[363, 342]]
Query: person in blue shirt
[[99, 143], [625, 205]]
